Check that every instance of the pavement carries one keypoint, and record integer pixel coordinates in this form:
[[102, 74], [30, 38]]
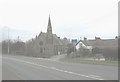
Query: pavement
[[31, 68]]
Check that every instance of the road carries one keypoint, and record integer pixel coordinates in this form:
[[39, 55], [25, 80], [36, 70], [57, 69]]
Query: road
[[30, 68]]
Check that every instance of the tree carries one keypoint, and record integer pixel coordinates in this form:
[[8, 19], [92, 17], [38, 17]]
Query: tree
[[96, 52], [29, 51], [83, 52], [5, 45], [18, 48], [14, 47], [110, 53], [70, 49]]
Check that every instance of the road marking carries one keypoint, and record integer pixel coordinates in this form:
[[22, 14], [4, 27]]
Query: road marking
[[94, 75], [54, 68]]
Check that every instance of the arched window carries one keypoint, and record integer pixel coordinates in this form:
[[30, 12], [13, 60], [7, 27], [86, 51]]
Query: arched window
[[41, 50]]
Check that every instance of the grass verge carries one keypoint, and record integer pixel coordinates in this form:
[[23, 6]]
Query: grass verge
[[83, 61]]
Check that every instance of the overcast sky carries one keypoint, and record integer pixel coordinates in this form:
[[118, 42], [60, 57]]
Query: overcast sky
[[70, 18]]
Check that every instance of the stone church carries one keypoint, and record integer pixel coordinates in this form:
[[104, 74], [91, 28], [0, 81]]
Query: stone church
[[48, 44]]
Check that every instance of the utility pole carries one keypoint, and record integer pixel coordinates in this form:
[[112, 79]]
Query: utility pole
[[8, 42]]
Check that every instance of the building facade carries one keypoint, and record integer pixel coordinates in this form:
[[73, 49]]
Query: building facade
[[48, 44]]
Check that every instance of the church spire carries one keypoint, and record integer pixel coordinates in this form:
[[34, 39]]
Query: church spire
[[49, 27]]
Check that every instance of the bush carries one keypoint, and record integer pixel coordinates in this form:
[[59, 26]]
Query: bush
[[110, 53], [96, 50], [70, 49], [83, 52]]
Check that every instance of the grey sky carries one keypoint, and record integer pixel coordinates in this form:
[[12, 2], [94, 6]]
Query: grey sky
[[70, 18]]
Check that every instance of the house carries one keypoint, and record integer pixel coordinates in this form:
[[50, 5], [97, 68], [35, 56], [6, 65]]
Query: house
[[97, 42], [84, 43], [108, 47]]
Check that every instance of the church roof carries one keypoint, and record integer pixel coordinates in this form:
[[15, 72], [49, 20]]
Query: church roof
[[43, 36], [56, 40]]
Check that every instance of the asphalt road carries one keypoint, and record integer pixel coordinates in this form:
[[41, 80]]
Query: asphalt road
[[30, 68]]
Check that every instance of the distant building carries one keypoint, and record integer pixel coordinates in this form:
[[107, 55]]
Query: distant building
[[48, 44], [108, 46], [97, 42]]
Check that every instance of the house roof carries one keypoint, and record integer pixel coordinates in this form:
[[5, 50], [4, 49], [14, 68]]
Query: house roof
[[100, 42]]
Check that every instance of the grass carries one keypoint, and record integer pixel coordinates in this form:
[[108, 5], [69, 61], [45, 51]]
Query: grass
[[83, 61]]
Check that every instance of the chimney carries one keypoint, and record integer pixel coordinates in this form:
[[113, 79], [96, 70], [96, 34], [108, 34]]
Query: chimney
[[85, 39], [97, 38], [116, 37]]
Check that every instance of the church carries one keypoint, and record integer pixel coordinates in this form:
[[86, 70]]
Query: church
[[48, 44]]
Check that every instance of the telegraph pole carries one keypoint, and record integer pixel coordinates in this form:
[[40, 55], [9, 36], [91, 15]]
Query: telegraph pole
[[8, 42]]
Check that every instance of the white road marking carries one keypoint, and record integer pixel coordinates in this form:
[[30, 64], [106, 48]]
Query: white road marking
[[54, 68], [94, 75]]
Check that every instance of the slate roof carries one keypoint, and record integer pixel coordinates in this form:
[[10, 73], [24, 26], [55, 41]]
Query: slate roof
[[43, 36], [56, 40], [100, 42]]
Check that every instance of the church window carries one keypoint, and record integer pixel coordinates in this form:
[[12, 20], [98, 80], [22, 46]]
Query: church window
[[41, 50]]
